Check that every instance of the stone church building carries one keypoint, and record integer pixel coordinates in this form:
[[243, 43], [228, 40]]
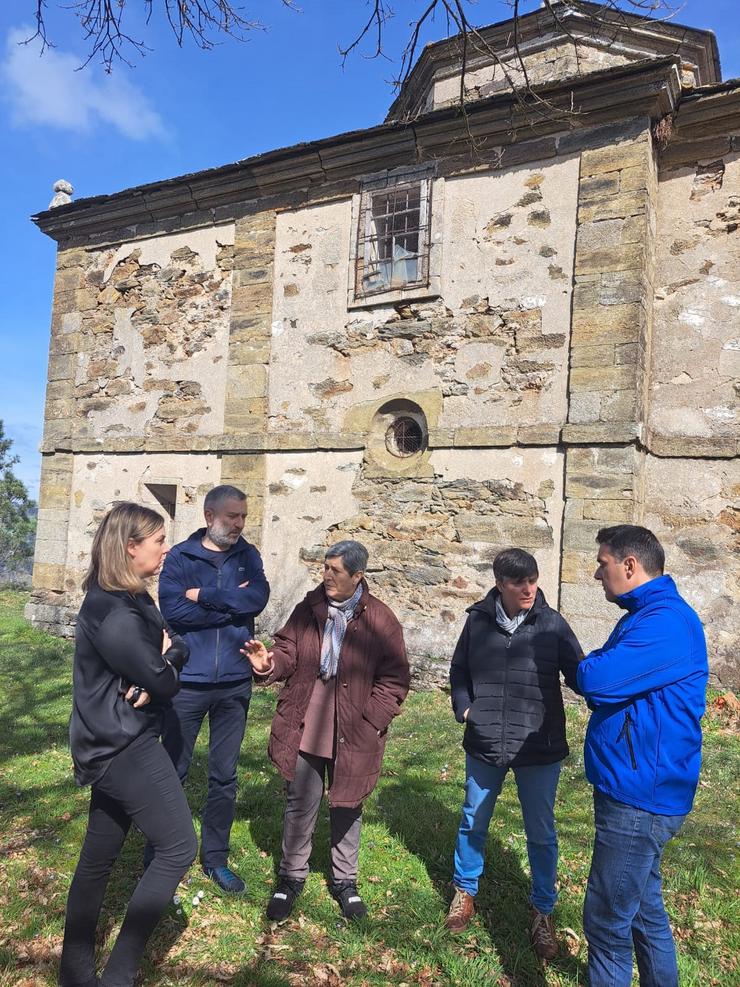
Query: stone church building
[[444, 335]]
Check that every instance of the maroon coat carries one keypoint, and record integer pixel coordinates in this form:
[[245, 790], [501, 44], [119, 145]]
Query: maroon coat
[[372, 682]]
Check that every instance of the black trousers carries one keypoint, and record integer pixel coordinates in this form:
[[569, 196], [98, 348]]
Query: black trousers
[[139, 786], [226, 706]]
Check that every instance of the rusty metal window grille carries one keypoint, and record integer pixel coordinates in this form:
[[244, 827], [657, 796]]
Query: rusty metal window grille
[[393, 237], [404, 437]]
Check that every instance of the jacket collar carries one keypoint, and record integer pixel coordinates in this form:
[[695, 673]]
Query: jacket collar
[[660, 588], [193, 546], [488, 605], [319, 603]]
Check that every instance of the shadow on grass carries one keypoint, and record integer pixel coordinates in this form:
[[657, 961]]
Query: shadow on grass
[[428, 829]]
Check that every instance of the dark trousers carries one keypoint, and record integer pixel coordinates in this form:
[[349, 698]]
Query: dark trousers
[[139, 786], [303, 798], [226, 706]]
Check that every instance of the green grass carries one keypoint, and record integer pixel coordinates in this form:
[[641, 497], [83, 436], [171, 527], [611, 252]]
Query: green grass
[[408, 838]]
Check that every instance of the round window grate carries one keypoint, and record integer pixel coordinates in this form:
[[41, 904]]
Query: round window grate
[[404, 437]]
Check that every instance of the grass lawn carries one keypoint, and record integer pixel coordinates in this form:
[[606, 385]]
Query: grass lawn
[[408, 838]]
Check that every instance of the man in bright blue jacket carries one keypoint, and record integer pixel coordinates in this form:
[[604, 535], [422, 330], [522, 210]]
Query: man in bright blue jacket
[[646, 689], [211, 588]]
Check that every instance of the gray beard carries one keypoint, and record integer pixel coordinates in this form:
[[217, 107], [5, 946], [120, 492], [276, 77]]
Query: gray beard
[[222, 541]]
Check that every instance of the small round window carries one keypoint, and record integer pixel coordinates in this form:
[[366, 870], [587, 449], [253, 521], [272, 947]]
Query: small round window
[[404, 437]]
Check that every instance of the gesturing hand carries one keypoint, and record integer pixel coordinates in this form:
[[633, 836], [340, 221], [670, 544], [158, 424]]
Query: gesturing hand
[[166, 642], [259, 657]]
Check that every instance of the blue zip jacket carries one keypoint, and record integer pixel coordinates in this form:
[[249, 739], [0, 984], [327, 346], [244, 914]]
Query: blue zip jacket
[[647, 690], [215, 627]]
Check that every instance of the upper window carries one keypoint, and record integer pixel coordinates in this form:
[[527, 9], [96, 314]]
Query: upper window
[[393, 234]]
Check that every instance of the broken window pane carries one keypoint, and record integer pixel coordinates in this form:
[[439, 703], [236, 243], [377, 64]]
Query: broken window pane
[[393, 237]]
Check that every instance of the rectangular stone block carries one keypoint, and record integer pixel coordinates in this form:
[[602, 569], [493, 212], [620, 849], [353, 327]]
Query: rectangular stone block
[[57, 431], [611, 511], [538, 435], [601, 460], [53, 552], [62, 366], [248, 328], [246, 466], [607, 324], [242, 353], [601, 432], [597, 486], [238, 421], [598, 355], [251, 299], [610, 288], [253, 275], [580, 536], [48, 576], [245, 381], [577, 567], [622, 405], [625, 257], [615, 157], [599, 186], [612, 207], [72, 257], [584, 407], [604, 379]]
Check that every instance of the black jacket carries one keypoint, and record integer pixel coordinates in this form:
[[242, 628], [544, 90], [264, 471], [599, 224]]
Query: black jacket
[[118, 643], [511, 684]]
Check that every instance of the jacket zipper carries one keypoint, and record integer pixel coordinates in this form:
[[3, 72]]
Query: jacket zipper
[[505, 704], [218, 629], [626, 732]]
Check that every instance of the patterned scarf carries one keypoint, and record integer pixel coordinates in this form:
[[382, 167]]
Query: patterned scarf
[[334, 630], [509, 624]]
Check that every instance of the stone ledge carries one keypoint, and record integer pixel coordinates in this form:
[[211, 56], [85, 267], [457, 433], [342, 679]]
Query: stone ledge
[[497, 437], [692, 447], [601, 433]]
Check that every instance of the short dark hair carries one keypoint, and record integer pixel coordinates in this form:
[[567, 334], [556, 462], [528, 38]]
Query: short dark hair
[[630, 539], [353, 554], [515, 563], [218, 496]]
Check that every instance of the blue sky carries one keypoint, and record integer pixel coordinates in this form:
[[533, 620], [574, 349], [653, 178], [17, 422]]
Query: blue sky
[[177, 111]]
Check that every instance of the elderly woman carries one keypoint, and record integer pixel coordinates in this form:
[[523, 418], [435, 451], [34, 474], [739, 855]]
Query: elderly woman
[[343, 661], [126, 668]]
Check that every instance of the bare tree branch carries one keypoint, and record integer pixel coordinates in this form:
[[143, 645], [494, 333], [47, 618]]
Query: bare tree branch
[[105, 29]]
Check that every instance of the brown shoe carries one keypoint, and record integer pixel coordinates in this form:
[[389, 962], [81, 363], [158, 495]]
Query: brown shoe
[[542, 932], [461, 911]]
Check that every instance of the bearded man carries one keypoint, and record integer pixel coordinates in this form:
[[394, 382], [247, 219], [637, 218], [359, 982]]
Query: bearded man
[[211, 588]]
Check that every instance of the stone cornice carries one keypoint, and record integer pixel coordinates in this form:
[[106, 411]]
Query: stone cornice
[[499, 437], [632, 33], [310, 171]]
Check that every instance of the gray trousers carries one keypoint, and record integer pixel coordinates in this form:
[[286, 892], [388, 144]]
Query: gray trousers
[[301, 810]]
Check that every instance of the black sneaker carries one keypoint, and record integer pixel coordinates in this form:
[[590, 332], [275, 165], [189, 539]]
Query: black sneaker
[[226, 879], [349, 899], [280, 905]]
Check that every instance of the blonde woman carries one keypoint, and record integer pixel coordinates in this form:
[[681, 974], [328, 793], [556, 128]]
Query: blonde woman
[[126, 669]]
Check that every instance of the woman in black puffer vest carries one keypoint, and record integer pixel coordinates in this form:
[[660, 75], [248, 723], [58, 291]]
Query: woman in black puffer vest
[[505, 679], [126, 668]]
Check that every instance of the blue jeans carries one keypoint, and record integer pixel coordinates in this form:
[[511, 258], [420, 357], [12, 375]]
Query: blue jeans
[[536, 787], [226, 706], [624, 900]]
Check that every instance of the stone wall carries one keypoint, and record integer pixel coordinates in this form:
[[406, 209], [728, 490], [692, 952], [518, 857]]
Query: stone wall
[[694, 508], [696, 354], [552, 61], [495, 344], [581, 309]]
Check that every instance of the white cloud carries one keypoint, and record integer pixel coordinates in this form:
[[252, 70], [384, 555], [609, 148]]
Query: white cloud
[[48, 90]]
